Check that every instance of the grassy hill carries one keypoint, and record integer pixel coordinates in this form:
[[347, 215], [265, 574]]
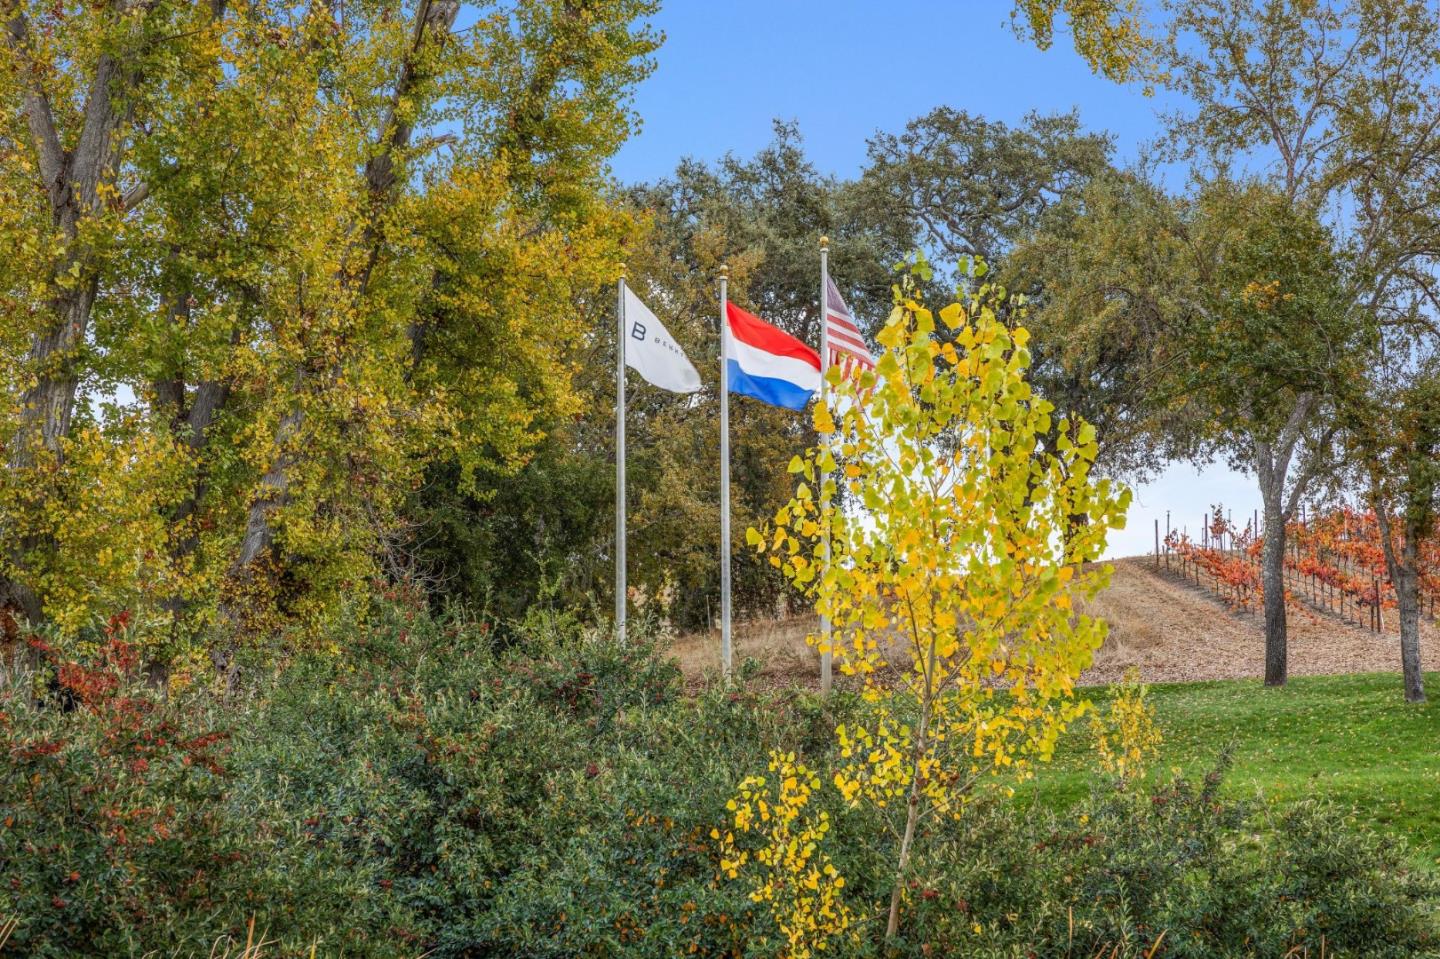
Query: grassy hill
[[1352, 739]]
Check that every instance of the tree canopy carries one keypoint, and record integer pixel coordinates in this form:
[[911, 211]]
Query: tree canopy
[[268, 263]]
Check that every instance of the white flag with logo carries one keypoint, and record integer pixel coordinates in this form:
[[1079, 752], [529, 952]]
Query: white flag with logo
[[652, 352]]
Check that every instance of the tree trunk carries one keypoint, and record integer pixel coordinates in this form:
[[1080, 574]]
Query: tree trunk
[[49, 405], [912, 815], [46, 411], [1272, 577], [274, 489], [1407, 588], [1272, 468], [1404, 570], [912, 809], [433, 20], [72, 179]]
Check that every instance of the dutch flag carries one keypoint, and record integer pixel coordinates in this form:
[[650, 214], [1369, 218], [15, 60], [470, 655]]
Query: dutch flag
[[768, 364]]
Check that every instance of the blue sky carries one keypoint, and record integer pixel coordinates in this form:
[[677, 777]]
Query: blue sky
[[847, 68]]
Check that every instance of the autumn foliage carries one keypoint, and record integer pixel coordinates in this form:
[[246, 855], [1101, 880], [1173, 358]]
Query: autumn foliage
[[111, 804], [953, 557], [267, 266], [1334, 563]]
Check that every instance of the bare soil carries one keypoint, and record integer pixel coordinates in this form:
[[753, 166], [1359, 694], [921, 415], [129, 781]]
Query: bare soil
[[1173, 630]]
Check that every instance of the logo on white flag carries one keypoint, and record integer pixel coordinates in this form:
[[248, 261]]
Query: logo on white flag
[[652, 352]]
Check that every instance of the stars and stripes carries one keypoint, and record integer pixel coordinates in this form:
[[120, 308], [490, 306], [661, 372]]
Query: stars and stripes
[[846, 346]]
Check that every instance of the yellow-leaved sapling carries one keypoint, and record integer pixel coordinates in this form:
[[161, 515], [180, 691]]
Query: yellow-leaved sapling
[[1126, 737], [957, 544]]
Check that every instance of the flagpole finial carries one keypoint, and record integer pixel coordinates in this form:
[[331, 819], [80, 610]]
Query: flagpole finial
[[724, 271], [824, 243], [622, 271]]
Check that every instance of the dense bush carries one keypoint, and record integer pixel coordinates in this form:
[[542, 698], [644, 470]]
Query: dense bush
[[113, 829], [430, 791], [1214, 876]]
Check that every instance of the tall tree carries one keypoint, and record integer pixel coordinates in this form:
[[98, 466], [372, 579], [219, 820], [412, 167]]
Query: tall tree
[[969, 189], [1335, 107], [270, 263], [1102, 350], [1245, 337], [1394, 435]]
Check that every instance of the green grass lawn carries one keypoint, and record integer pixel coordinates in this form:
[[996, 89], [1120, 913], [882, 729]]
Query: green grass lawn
[[1352, 739]]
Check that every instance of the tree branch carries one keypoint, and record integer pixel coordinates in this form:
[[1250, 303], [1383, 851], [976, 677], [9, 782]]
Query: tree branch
[[38, 114]]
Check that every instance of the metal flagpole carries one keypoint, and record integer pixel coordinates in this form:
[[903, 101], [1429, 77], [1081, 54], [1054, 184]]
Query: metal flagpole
[[826, 657], [620, 462], [725, 655]]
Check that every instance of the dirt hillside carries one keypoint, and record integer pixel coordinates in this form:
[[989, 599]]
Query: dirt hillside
[[1171, 630]]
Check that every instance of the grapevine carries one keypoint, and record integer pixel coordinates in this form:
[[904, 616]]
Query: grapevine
[[1334, 563]]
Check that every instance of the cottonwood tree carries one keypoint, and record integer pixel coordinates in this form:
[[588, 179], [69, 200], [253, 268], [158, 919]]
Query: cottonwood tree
[[951, 568], [269, 262], [1111, 35]]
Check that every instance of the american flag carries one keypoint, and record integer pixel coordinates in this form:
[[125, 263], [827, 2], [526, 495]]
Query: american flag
[[847, 346]]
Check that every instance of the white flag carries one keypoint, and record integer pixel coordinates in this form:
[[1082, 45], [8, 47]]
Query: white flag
[[652, 352]]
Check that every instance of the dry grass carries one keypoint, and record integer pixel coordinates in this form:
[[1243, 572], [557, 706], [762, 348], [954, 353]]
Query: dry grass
[[780, 648], [1173, 631], [778, 644]]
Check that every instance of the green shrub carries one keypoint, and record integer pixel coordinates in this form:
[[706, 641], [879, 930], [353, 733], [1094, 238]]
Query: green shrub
[[431, 790], [1213, 876], [554, 799]]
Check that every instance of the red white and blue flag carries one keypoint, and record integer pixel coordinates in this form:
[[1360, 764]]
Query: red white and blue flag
[[767, 363], [846, 346]]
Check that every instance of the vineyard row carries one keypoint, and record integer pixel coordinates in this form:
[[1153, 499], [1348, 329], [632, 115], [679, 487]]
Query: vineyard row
[[1334, 562]]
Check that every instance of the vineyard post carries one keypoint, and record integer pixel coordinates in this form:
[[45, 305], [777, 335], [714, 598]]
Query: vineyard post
[[1157, 543]]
